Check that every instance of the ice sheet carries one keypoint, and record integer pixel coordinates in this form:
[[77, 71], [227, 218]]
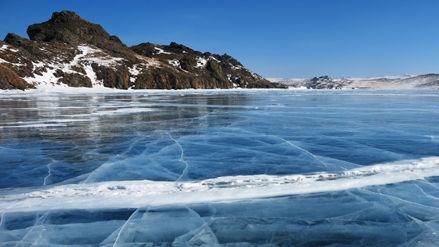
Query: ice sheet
[[218, 167]]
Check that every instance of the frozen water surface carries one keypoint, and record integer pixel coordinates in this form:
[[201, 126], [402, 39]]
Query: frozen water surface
[[219, 168]]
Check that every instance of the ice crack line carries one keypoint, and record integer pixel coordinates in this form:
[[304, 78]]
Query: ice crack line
[[1, 219], [49, 172], [303, 150], [292, 145], [186, 168], [122, 228]]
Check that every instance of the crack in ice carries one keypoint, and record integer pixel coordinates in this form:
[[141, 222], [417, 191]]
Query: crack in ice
[[294, 146], [186, 168], [304, 150], [122, 228], [49, 172]]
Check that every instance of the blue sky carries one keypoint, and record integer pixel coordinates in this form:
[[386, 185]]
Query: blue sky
[[274, 38]]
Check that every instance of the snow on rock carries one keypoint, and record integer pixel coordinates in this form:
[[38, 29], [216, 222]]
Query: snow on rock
[[7, 48], [161, 51], [44, 77], [175, 63], [92, 75], [235, 67], [93, 55], [134, 72], [3, 61], [213, 58], [84, 59], [201, 62], [255, 75]]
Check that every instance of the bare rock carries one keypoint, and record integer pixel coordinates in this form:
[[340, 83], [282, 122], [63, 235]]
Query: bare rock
[[10, 80], [68, 27]]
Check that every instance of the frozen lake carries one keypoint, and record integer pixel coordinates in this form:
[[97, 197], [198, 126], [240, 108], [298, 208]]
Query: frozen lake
[[219, 168]]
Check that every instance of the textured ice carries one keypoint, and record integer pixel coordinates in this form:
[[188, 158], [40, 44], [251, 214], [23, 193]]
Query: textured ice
[[219, 168]]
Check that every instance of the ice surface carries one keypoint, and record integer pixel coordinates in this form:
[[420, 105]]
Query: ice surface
[[219, 168], [144, 193]]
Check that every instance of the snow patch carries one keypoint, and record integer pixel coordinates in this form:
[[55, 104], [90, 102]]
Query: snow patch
[[46, 77], [92, 75], [175, 63], [201, 62], [229, 77], [92, 55], [235, 67], [161, 51], [4, 61], [84, 59], [134, 72], [7, 48], [213, 58], [255, 75]]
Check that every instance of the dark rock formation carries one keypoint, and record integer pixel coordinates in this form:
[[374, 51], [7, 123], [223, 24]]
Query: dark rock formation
[[118, 77], [74, 79], [70, 50], [10, 80], [67, 27]]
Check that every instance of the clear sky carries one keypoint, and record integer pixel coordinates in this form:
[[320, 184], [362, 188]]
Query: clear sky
[[274, 38]]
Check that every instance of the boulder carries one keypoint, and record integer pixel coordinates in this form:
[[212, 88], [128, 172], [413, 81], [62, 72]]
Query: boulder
[[10, 80]]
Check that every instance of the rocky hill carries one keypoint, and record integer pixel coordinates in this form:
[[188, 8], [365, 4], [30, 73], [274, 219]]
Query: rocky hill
[[68, 50]]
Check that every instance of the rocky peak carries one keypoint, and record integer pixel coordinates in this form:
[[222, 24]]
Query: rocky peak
[[16, 40], [179, 48], [321, 78], [68, 27], [64, 16]]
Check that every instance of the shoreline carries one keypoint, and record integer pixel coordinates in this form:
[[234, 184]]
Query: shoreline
[[99, 90]]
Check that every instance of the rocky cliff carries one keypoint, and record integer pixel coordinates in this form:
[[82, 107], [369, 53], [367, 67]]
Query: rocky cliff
[[68, 50]]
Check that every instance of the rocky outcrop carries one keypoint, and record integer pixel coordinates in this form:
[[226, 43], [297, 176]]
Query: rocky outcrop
[[10, 80], [70, 50], [67, 27], [326, 82]]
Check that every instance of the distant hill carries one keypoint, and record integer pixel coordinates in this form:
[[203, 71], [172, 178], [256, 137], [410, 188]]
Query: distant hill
[[387, 82]]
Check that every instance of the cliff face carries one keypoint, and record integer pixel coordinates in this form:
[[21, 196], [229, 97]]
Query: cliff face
[[75, 52]]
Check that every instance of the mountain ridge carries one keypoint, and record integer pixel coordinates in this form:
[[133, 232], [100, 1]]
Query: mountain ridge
[[430, 80], [68, 50]]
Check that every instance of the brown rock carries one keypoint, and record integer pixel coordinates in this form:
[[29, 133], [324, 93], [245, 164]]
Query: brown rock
[[75, 80], [10, 80], [118, 77]]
